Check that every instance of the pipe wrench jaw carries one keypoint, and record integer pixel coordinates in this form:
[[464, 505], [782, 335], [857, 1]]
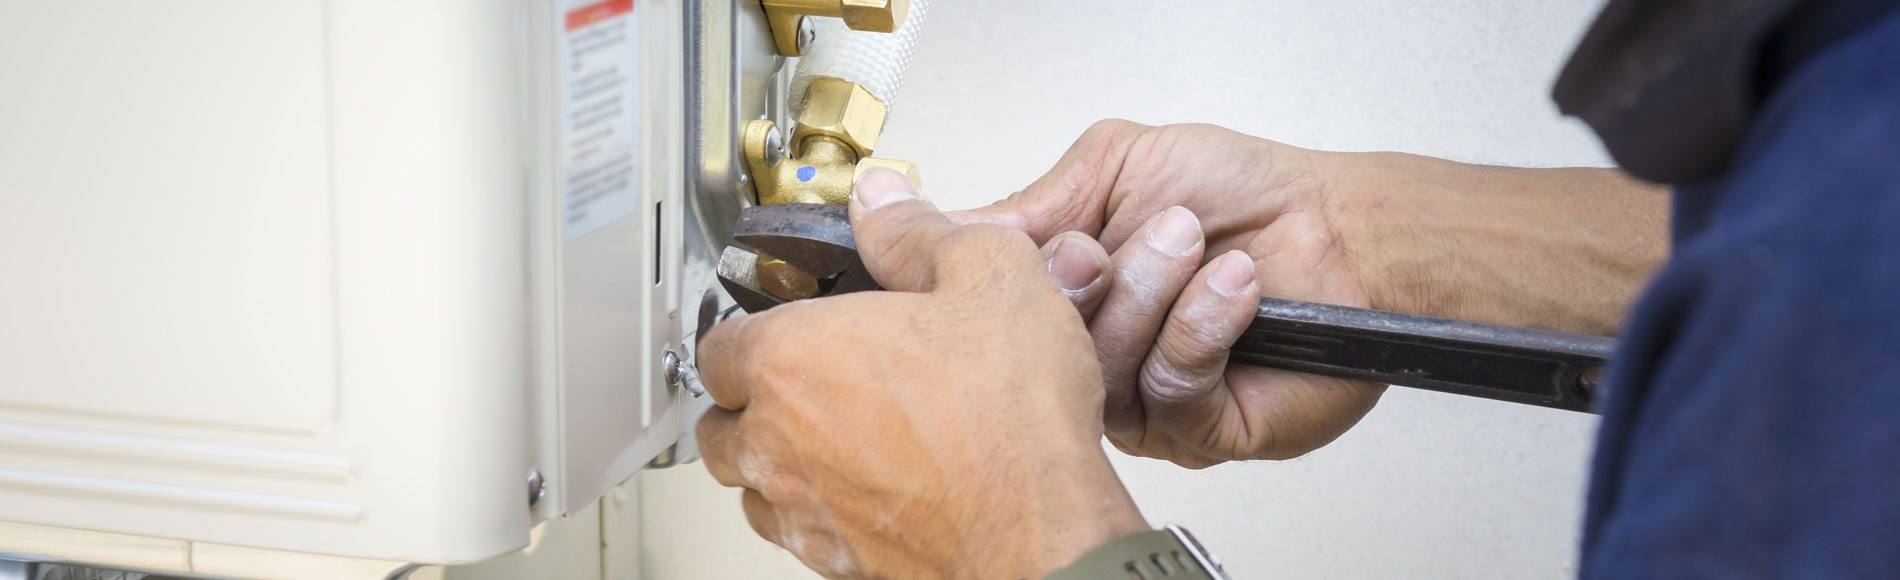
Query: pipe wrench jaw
[[811, 239]]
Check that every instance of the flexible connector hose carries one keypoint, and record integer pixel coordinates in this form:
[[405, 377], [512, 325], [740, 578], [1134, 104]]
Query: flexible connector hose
[[875, 60]]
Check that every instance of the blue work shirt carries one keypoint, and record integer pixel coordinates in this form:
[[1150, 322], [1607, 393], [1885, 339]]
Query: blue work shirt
[[1752, 427]]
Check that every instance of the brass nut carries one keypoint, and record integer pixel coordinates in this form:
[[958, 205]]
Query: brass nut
[[875, 15], [787, 18], [841, 110]]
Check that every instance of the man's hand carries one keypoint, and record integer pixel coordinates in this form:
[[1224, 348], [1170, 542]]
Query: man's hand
[[947, 427], [1162, 329], [1563, 249]]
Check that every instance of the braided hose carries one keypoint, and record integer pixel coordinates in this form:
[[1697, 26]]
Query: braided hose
[[875, 60]]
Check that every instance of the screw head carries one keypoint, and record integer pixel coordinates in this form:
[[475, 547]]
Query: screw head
[[774, 147], [670, 368], [806, 34], [1588, 385], [537, 487]]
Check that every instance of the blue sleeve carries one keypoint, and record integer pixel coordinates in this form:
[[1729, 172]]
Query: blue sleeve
[[1753, 424]]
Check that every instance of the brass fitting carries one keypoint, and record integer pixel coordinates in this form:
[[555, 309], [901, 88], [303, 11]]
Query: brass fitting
[[841, 110], [787, 18], [831, 147], [828, 151]]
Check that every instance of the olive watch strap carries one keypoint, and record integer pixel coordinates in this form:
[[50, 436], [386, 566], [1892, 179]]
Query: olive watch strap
[[1171, 553]]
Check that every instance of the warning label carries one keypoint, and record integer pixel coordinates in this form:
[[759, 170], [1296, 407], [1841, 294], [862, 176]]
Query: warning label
[[598, 109]]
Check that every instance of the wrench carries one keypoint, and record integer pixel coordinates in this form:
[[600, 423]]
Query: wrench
[[1504, 363]]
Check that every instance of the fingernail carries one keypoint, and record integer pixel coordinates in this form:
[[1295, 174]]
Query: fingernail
[[1233, 272], [881, 187], [1177, 231], [1074, 266]]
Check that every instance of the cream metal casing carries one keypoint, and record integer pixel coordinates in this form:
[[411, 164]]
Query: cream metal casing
[[291, 275]]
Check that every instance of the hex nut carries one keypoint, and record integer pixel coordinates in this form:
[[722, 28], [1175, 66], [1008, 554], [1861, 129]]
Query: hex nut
[[875, 15], [841, 110]]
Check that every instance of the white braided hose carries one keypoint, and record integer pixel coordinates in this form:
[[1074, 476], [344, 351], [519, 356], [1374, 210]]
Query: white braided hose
[[875, 60]]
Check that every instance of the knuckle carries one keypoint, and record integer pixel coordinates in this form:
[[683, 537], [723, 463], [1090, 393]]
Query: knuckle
[[1164, 382], [765, 376], [779, 488], [1108, 129], [1147, 290], [716, 345], [1122, 357], [895, 254], [903, 231], [1190, 344], [759, 472], [773, 345], [890, 232], [1075, 208], [758, 383]]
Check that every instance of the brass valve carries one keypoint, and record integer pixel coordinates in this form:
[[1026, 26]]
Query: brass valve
[[787, 18], [827, 153]]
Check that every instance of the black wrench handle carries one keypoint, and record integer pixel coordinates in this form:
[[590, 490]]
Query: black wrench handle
[[1504, 363]]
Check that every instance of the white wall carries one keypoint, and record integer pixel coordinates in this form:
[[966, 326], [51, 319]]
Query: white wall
[[1429, 486]]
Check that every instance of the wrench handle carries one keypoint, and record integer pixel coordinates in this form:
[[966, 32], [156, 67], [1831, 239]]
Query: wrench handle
[[1504, 363]]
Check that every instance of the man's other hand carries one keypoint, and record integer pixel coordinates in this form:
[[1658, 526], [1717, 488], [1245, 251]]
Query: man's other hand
[[947, 427], [1173, 213], [1162, 321]]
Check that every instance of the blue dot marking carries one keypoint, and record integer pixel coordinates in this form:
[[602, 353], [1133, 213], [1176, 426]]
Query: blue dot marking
[[807, 172]]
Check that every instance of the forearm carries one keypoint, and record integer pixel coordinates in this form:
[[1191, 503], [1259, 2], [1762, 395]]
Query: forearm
[[1560, 249]]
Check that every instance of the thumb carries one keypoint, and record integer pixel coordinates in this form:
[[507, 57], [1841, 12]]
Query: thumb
[[896, 231], [1072, 196]]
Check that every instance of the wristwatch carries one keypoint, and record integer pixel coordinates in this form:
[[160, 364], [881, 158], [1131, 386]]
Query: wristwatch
[[1170, 553]]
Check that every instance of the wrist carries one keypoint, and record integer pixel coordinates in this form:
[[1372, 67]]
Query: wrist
[[1069, 514], [1562, 249], [1383, 211], [1087, 536]]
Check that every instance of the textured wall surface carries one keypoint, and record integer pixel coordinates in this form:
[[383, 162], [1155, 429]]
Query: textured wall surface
[[1429, 485]]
